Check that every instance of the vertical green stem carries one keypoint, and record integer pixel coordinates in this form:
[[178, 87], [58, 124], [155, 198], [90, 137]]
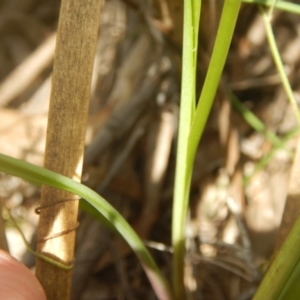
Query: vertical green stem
[[191, 123], [216, 66], [187, 109]]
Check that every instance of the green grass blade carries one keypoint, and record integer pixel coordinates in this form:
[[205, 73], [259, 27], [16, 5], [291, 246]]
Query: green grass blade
[[187, 109], [254, 121], [259, 126], [282, 270], [282, 278], [40, 175], [291, 289], [191, 129], [215, 69], [188, 103], [279, 64], [282, 5], [195, 12], [266, 159]]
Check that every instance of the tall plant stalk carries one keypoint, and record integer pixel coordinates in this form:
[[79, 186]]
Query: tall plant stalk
[[71, 82], [193, 118], [188, 102]]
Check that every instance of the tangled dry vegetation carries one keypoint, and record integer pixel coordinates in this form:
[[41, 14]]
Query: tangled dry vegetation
[[131, 143]]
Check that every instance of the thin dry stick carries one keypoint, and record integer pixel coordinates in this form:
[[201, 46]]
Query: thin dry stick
[[71, 84], [19, 80]]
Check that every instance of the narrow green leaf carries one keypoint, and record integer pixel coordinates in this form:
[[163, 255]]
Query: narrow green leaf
[[282, 5], [191, 124], [187, 109], [212, 79], [279, 64], [40, 175], [283, 269]]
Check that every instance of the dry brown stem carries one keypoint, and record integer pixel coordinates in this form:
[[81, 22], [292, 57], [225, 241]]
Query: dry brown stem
[[71, 84]]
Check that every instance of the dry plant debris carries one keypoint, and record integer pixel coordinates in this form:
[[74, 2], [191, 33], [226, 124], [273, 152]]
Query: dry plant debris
[[131, 138]]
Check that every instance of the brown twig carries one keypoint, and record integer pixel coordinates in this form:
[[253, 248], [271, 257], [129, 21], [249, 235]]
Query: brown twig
[[27, 72], [71, 84]]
